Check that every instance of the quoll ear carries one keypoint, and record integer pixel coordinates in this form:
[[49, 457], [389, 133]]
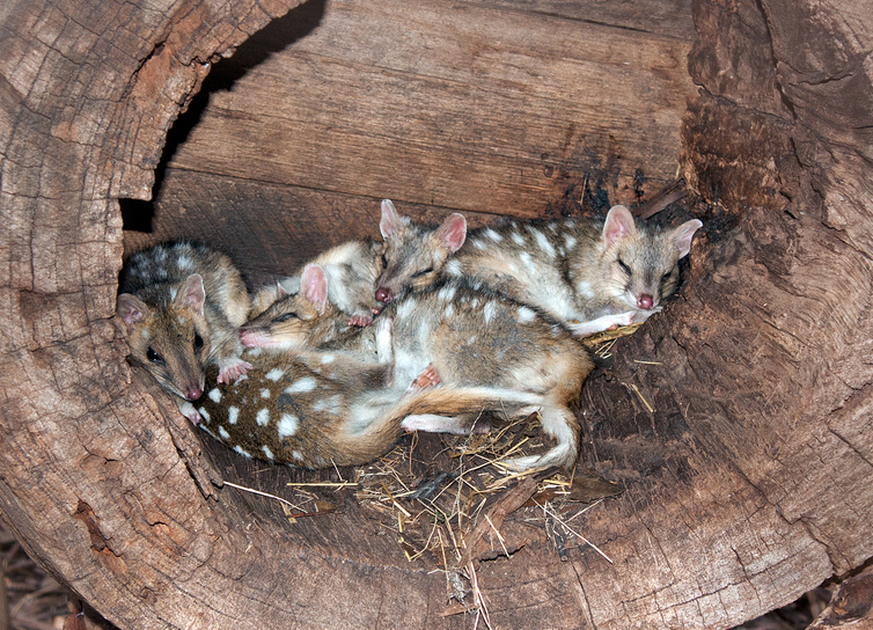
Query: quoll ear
[[313, 286], [391, 221], [131, 310], [452, 232], [191, 294], [619, 224], [682, 235]]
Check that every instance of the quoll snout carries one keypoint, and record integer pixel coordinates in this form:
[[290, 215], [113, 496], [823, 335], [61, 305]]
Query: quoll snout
[[645, 301], [383, 294]]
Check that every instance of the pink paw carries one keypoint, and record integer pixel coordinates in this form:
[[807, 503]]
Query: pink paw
[[428, 378], [232, 371], [190, 412], [359, 320]]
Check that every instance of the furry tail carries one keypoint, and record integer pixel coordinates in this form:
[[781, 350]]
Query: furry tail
[[372, 429]]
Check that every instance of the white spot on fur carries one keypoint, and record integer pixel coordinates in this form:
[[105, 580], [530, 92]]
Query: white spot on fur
[[447, 294], [450, 311], [544, 243], [406, 308], [331, 405], [297, 455], [525, 259], [584, 289], [478, 245], [525, 314], [569, 241], [239, 449], [265, 393], [328, 358], [215, 395], [204, 413], [275, 374], [243, 377], [453, 267], [488, 311], [287, 426], [517, 238], [263, 417], [305, 384], [494, 235], [223, 433], [184, 263], [268, 453], [232, 415]]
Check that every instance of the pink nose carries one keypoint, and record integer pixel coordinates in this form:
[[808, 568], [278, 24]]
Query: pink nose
[[645, 301], [383, 294], [193, 393]]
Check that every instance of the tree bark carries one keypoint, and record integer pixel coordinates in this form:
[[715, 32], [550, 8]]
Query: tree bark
[[748, 484]]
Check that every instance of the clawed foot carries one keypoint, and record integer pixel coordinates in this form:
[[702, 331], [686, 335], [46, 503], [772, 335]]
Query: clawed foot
[[190, 412], [428, 378], [232, 370], [360, 320]]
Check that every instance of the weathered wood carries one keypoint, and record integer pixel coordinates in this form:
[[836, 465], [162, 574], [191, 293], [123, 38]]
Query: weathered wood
[[498, 108], [749, 483]]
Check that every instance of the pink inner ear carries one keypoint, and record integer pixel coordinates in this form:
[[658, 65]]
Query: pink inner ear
[[192, 294], [390, 221], [131, 309], [619, 223], [313, 285], [453, 232], [683, 234]]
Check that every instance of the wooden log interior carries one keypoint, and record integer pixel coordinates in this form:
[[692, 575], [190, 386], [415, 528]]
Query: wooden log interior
[[748, 467]]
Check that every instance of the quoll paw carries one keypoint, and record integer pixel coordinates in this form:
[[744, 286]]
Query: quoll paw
[[359, 320], [232, 370]]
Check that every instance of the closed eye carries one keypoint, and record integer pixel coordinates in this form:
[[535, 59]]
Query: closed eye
[[198, 342], [284, 317], [421, 273], [624, 267]]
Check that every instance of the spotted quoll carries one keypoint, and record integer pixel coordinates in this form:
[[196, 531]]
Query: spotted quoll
[[181, 305], [284, 412], [591, 276], [352, 268], [458, 337]]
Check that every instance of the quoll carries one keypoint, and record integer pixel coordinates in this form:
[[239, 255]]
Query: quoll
[[462, 337], [181, 305], [590, 275], [284, 412]]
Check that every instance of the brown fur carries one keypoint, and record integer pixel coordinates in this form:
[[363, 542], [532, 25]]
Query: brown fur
[[181, 305]]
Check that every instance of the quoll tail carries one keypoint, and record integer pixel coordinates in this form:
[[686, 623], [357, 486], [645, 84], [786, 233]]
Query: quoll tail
[[372, 434]]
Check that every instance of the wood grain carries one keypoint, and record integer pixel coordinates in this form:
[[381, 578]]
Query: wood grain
[[749, 484], [496, 108]]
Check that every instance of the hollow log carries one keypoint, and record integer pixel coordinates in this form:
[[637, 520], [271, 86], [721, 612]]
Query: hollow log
[[738, 419]]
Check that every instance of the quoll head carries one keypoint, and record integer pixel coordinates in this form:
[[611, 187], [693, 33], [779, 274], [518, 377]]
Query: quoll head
[[642, 265], [172, 340], [414, 255], [292, 320]]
